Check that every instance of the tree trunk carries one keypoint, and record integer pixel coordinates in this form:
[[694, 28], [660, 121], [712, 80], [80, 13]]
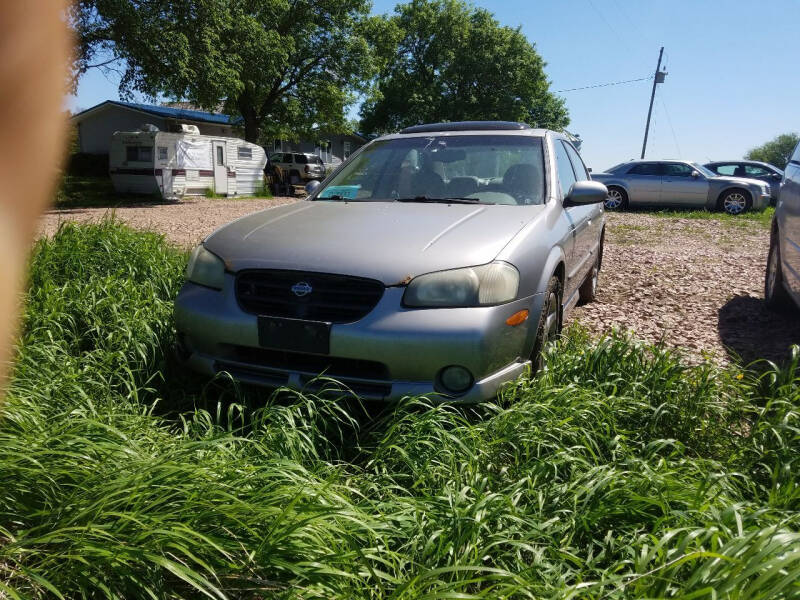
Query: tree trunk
[[252, 129], [252, 124]]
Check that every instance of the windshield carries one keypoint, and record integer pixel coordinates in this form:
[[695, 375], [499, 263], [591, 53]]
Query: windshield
[[704, 171], [487, 169]]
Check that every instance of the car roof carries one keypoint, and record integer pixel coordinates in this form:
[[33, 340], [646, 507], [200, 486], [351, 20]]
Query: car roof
[[656, 160], [741, 162], [427, 132], [467, 126]]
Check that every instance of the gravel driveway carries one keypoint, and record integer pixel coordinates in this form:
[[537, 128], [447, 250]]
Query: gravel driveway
[[695, 283]]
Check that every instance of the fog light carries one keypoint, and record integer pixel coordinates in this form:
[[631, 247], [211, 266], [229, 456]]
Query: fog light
[[455, 379]]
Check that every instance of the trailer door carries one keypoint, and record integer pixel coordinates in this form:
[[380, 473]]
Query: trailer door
[[220, 168]]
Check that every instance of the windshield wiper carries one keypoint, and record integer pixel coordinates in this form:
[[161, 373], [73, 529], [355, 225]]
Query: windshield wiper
[[450, 200]]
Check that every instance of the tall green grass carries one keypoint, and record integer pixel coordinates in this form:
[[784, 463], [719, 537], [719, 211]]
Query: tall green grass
[[620, 472]]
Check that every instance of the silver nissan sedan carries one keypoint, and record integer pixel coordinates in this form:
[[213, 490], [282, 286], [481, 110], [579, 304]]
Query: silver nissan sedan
[[437, 261]]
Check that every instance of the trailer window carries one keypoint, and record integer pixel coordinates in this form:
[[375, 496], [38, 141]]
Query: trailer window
[[139, 153], [245, 153], [162, 153]]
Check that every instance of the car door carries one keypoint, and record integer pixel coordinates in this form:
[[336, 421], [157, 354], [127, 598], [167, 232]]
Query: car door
[[587, 237], [789, 224], [644, 183], [576, 256], [683, 185]]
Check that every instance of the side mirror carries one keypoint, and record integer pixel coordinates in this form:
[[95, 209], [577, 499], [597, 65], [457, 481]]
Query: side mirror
[[589, 169], [776, 177], [311, 186], [586, 192], [695, 174]]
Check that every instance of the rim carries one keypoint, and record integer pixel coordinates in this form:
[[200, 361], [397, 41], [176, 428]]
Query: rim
[[735, 203], [772, 273], [614, 199]]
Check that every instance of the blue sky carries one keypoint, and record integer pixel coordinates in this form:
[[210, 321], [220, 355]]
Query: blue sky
[[731, 85]]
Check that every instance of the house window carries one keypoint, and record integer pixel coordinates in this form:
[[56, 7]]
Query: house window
[[220, 156], [162, 153], [345, 150], [245, 153]]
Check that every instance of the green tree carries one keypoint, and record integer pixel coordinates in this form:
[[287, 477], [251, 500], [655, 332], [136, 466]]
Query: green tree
[[776, 151], [285, 66], [451, 62]]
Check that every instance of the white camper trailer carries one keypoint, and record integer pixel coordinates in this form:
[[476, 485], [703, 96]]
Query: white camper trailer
[[186, 163]]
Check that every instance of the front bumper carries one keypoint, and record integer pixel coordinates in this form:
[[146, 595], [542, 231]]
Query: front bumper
[[762, 201], [391, 353]]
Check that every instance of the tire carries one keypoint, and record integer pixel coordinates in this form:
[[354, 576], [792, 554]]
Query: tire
[[775, 294], [617, 199], [588, 290], [735, 202], [549, 326]]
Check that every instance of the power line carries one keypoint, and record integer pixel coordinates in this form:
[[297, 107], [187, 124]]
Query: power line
[[669, 120], [598, 85]]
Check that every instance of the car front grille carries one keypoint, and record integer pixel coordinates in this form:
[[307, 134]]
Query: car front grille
[[261, 366], [309, 296]]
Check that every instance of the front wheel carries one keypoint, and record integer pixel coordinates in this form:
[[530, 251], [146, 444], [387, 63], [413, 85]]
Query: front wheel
[[549, 326], [735, 202], [774, 293], [616, 199]]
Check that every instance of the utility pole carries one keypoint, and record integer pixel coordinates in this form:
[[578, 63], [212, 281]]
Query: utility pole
[[657, 78]]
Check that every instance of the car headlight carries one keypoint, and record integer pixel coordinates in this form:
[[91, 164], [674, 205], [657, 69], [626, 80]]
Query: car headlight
[[485, 285], [205, 268]]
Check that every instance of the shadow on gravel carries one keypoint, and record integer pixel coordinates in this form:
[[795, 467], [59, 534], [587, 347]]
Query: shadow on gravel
[[750, 331]]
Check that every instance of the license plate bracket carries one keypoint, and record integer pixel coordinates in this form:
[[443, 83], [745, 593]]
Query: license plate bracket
[[295, 335]]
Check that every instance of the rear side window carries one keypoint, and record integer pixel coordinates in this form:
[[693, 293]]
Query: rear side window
[[566, 176], [724, 169], [645, 169], [577, 164], [300, 159]]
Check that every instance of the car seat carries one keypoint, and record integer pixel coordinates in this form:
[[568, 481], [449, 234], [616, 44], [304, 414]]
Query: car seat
[[461, 187], [740, 172], [428, 183], [523, 181]]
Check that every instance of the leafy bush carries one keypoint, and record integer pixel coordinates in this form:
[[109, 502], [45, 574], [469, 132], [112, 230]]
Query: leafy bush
[[620, 472]]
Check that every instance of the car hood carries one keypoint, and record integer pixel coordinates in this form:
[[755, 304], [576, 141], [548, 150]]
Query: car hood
[[387, 241], [727, 179]]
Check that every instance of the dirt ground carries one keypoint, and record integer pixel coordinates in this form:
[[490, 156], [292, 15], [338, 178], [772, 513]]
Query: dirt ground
[[698, 284], [695, 283]]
